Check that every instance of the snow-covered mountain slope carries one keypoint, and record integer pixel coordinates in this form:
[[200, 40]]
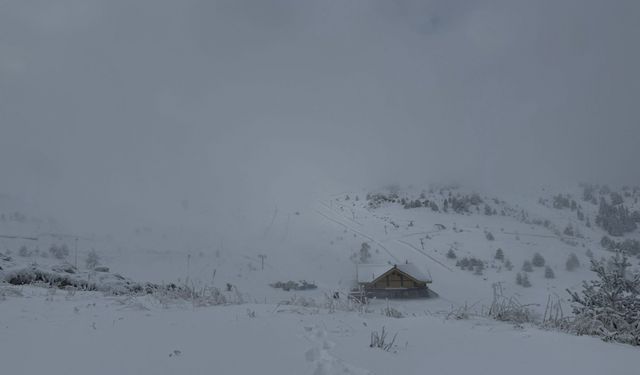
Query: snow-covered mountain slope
[[305, 330], [319, 242]]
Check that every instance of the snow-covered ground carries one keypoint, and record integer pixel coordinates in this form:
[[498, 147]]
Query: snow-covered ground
[[272, 332], [54, 332]]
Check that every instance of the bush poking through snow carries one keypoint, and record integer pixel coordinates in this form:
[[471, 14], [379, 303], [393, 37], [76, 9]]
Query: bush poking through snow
[[391, 312], [59, 252], [379, 340], [292, 285], [508, 309], [24, 252], [499, 255], [479, 269]]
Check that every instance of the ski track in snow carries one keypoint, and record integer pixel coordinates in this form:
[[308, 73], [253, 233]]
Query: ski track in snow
[[370, 238], [425, 254]]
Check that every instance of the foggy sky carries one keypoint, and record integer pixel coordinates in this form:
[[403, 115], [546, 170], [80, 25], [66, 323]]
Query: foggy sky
[[113, 108]]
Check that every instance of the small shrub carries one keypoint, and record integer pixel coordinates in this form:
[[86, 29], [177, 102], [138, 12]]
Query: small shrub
[[292, 285], [527, 267], [59, 252], [391, 312], [379, 340], [508, 309], [479, 268], [24, 252], [499, 255]]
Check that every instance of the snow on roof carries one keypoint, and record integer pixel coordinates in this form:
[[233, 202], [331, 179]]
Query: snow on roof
[[369, 272], [413, 271]]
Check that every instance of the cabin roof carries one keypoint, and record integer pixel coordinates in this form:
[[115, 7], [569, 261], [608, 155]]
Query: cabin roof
[[368, 273]]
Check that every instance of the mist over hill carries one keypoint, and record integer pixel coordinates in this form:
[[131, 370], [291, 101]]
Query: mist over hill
[[201, 179]]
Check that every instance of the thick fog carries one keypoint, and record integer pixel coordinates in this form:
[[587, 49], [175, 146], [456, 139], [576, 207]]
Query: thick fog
[[115, 112]]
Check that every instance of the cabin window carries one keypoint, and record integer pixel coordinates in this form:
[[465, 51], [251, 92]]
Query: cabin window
[[401, 280]]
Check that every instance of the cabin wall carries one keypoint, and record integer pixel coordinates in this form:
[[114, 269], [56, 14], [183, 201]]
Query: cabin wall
[[396, 280]]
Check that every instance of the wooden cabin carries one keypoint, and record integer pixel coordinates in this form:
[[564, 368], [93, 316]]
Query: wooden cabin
[[392, 281]]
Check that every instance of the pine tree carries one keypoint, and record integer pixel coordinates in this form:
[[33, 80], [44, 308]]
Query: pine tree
[[572, 262], [610, 305], [518, 278], [499, 255], [365, 254], [525, 280], [526, 266], [508, 265], [451, 254], [538, 260], [548, 273]]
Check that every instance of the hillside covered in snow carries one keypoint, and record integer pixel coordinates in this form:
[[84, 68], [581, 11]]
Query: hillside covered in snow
[[479, 250]]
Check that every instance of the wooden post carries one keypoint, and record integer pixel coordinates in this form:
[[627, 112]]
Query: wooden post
[[76, 261]]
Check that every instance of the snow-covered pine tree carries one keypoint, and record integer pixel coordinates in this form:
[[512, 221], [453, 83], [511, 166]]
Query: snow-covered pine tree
[[609, 306], [548, 273], [451, 254], [572, 262], [508, 265], [537, 260]]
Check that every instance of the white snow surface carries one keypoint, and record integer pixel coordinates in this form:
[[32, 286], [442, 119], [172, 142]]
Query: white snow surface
[[300, 332]]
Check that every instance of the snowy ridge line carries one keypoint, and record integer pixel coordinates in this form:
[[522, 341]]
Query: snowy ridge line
[[359, 233], [425, 254]]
